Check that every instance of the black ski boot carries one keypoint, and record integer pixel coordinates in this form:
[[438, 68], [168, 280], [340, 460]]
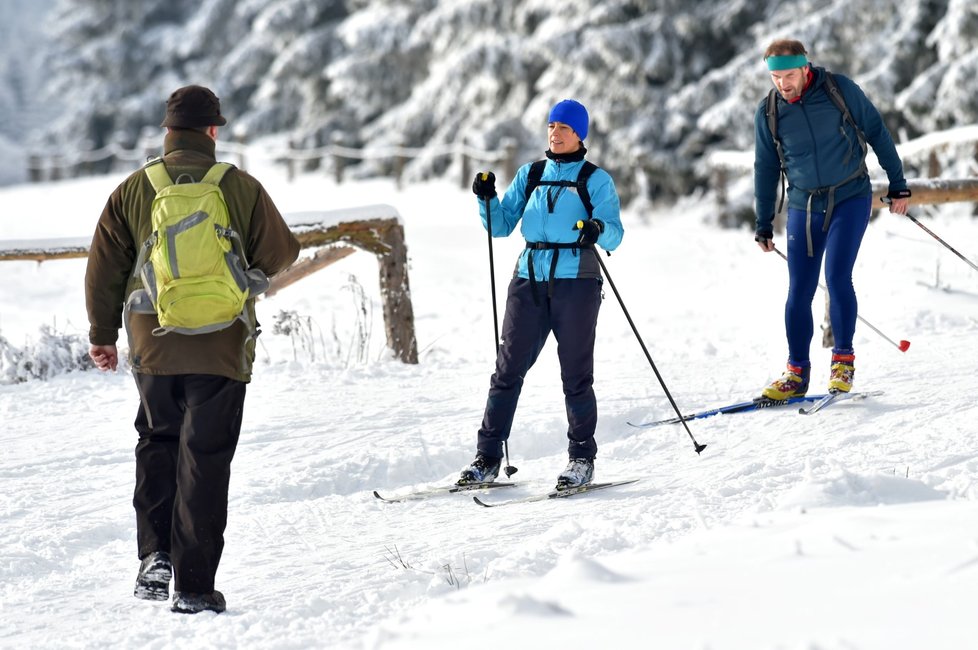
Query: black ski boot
[[483, 469], [579, 471]]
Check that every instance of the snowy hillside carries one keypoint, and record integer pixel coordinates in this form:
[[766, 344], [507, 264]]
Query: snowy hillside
[[852, 528]]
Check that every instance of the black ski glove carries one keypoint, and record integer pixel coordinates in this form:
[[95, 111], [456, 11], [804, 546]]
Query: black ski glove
[[484, 185], [590, 231], [897, 194], [763, 236]]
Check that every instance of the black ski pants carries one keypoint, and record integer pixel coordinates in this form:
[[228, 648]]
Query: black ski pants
[[572, 315], [183, 468]]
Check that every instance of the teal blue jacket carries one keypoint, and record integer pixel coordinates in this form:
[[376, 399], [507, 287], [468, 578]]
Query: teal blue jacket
[[540, 223], [820, 149]]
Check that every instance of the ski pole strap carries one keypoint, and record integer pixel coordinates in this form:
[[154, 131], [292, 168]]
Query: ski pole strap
[[541, 246]]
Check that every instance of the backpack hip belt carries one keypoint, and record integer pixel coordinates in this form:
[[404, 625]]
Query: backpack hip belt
[[545, 246], [830, 206]]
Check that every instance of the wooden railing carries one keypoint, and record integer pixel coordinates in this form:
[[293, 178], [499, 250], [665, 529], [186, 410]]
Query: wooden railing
[[924, 154], [376, 229]]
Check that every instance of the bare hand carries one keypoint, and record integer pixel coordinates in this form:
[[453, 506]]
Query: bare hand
[[767, 245], [106, 357], [899, 206]]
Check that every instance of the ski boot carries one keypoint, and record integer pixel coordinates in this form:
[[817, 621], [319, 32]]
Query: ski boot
[[793, 383], [579, 472], [484, 469], [842, 372]]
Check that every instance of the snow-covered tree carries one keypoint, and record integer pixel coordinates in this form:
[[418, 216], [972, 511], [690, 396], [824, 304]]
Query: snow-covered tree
[[666, 81]]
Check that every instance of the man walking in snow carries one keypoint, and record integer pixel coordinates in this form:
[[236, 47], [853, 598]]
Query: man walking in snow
[[819, 142], [564, 206], [191, 387]]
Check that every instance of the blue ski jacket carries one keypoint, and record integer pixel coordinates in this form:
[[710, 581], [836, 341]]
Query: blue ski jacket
[[553, 221], [820, 149]]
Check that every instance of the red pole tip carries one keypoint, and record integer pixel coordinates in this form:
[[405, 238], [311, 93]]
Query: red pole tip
[[904, 346]]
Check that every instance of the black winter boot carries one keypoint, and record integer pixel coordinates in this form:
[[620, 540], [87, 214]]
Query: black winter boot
[[187, 603], [153, 580]]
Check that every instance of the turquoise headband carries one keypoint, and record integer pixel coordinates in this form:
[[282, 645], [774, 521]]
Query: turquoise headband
[[786, 62]]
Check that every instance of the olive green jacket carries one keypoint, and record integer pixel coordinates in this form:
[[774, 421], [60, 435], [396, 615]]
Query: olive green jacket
[[123, 227]]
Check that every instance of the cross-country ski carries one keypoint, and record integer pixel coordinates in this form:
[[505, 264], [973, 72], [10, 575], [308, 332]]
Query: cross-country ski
[[832, 398], [746, 407], [438, 491], [557, 494]]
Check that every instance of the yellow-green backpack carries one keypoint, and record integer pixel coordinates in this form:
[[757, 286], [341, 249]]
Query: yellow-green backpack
[[193, 267]]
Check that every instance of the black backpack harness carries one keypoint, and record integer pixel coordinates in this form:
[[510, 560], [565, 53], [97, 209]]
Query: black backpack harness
[[771, 112], [534, 180]]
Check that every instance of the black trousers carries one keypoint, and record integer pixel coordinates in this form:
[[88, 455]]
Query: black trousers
[[572, 315], [183, 468]]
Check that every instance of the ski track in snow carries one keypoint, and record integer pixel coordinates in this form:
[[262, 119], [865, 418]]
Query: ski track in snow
[[314, 560]]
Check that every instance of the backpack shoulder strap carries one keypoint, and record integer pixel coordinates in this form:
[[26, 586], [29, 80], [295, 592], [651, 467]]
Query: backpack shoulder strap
[[835, 94], [157, 175], [216, 173], [832, 88], [771, 112], [533, 177], [587, 169]]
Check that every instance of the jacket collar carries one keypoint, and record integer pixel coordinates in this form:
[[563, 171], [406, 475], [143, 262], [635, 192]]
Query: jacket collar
[[190, 141], [576, 156]]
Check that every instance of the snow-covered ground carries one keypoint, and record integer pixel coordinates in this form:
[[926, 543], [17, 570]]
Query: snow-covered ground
[[853, 528]]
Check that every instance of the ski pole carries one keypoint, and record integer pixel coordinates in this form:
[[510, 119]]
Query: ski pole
[[509, 469], [934, 235], [902, 346], [604, 269], [492, 270]]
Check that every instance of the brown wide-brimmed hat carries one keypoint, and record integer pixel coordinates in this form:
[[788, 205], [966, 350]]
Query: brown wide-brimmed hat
[[193, 106]]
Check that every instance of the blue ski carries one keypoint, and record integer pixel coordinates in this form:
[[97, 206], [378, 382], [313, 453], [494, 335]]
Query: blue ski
[[744, 407], [832, 398]]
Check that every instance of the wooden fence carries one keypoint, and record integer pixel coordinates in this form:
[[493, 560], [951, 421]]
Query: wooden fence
[[376, 229], [924, 154]]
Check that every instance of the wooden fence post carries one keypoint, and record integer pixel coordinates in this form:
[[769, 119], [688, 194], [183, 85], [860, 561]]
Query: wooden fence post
[[57, 167], [509, 162], [290, 162], [35, 168], [828, 336], [399, 162], [384, 237], [466, 167], [396, 294], [720, 176], [242, 160], [339, 162]]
